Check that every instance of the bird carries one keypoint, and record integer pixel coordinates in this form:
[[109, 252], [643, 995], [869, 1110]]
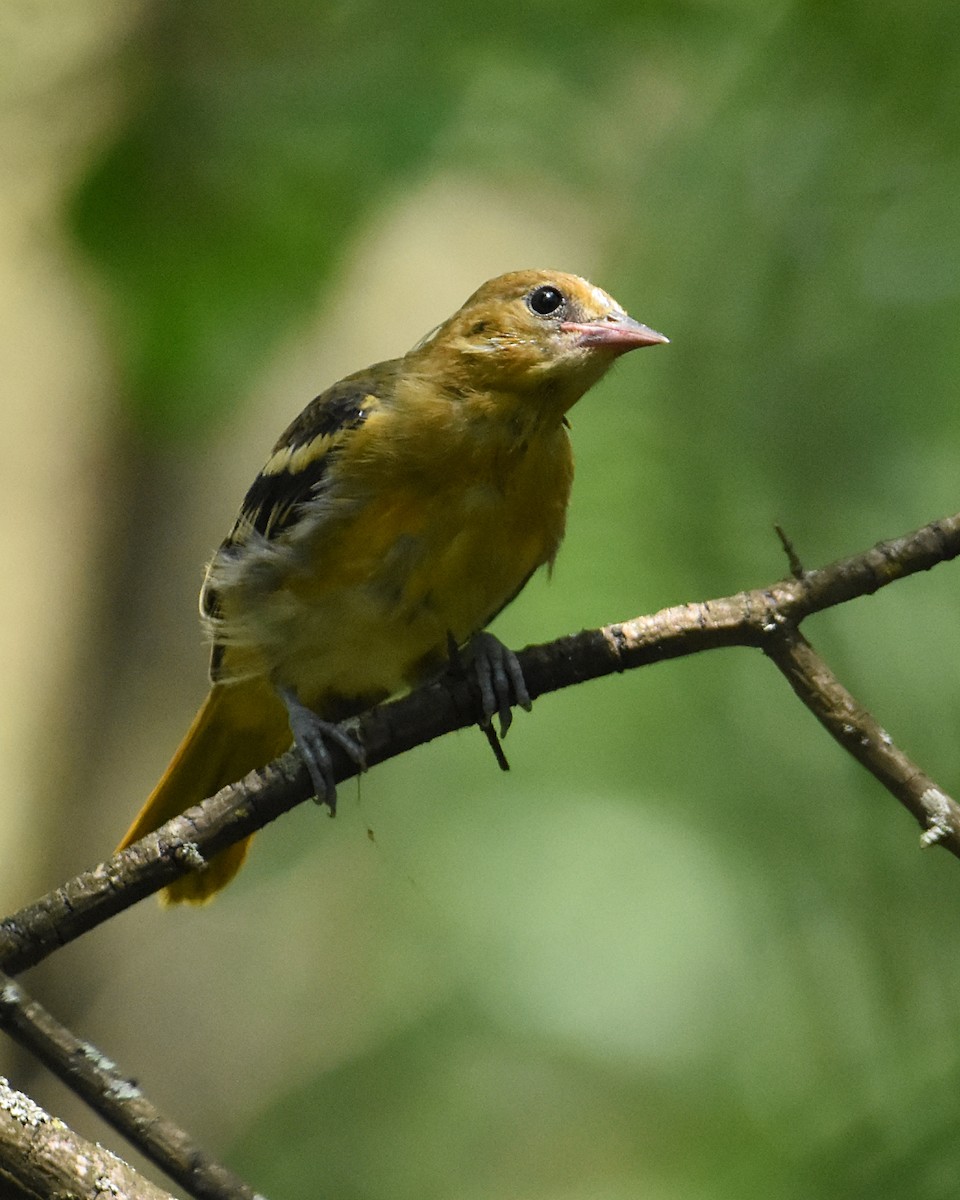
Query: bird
[[395, 517]]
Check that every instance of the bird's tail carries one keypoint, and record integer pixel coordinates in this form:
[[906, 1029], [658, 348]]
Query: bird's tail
[[240, 726]]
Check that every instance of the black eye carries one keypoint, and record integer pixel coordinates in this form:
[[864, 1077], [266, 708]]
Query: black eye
[[545, 300]]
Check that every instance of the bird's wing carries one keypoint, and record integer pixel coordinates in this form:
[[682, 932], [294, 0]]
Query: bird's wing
[[296, 473], [299, 467]]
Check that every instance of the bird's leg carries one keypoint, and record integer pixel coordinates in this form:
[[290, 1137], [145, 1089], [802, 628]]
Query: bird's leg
[[312, 735]]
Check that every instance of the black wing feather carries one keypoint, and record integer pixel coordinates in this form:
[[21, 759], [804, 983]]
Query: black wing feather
[[273, 501], [275, 498]]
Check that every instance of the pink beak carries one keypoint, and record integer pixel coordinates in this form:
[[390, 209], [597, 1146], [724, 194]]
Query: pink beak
[[618, 334]]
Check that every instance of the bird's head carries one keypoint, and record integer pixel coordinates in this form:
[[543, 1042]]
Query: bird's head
[[538, 332]]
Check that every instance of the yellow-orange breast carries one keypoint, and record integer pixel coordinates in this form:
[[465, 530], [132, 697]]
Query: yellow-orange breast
[[436, 515]]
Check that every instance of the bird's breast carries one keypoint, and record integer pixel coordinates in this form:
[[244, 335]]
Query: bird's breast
[[425, 534]]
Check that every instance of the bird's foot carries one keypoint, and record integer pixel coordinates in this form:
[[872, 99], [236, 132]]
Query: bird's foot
[[499, 678], [501, 683], [312, 737]]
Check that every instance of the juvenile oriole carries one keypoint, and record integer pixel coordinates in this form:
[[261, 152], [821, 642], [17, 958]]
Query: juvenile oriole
[[396, 516]]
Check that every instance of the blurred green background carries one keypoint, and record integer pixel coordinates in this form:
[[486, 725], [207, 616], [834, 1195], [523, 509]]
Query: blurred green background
[[686, 949]]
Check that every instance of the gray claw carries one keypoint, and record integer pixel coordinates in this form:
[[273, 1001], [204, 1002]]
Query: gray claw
[[312, 736], [499, 678]]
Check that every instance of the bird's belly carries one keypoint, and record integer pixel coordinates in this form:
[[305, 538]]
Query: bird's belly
[[409, 577]]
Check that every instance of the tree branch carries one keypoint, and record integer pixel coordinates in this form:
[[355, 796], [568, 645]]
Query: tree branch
[[766, 618], [41, 1157], [860, 735], [116, 1098]]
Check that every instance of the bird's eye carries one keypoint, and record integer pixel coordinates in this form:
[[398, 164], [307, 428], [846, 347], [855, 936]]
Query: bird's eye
[[545, 300]]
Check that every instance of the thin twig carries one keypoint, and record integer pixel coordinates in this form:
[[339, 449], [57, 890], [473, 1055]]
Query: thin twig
[[793, 558], [116, 1098], [753, 618]]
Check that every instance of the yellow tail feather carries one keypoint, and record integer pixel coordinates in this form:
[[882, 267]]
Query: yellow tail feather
[[240, 726]]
